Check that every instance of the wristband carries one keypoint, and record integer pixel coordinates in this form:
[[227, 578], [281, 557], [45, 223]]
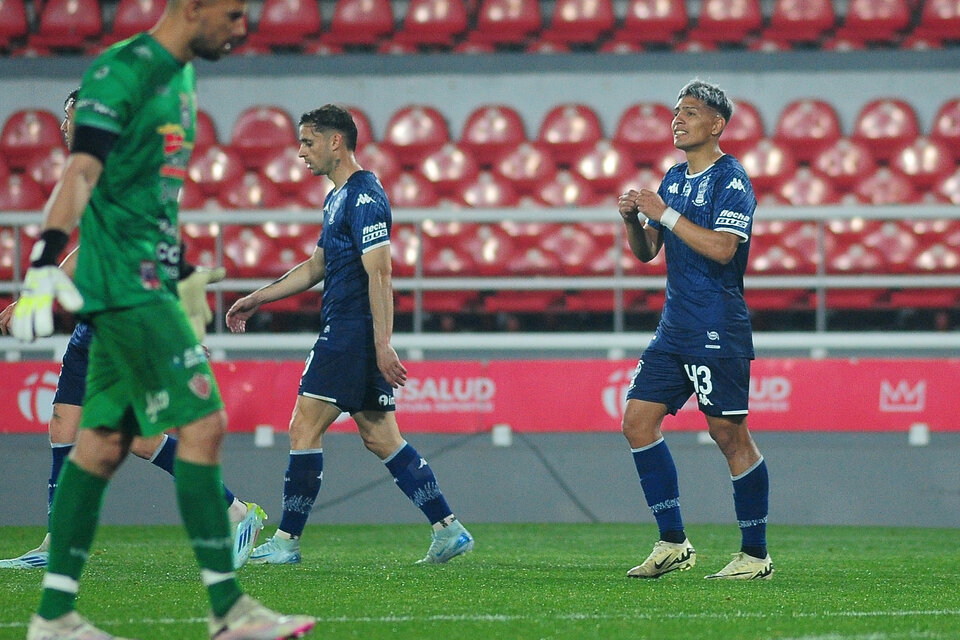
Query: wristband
[[669, 218], [48, 248]]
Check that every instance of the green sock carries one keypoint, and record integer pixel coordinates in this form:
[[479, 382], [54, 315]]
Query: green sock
[[201, 500], [73, 522]]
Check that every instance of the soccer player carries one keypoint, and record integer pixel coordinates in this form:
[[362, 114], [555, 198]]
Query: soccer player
[[352, 366], [135, 119], [702, 214], [68, 400]]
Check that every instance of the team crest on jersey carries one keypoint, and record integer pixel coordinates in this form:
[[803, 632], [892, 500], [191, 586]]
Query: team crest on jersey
[[173, 138], [701, 199], [201, 386], [148, 276], [687, 189]]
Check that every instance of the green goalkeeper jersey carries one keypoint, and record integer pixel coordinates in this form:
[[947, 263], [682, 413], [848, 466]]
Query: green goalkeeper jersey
[[131, 241]]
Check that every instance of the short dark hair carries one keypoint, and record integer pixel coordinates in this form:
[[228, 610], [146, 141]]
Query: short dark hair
[[331, 116], [71, 98], [709, 94]]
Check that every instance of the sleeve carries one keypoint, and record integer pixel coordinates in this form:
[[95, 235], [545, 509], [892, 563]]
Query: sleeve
[[107, 98], [373, 220], [734, 205]]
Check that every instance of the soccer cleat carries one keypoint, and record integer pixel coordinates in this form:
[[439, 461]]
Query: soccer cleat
[[277, 551], [665, 557], [448, 543], [250, 620], [746, 567], [33, 559], [246, 534], [70, 626]]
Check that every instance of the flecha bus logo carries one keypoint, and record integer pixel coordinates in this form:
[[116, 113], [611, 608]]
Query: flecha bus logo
[[902, 397]]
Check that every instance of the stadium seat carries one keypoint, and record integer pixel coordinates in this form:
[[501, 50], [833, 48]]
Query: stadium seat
[[506, 22], [360, 22], [948, 189], [444, 261], [259, 131], [314, 192], [807, 127], [4, 169], [885, 186], [574, 247], [939, 258], [646, 129], [450, 301], [485, 247], [488, 190], [896, 243], [605, 166], [433, 23], [29, 133], [854, 298], [808, 187], [13, 24], [246, 251], [381, 161], [192, 196], [132, 17], [653, 22], [364, 128], [569, 130], [669, 159], [728, 21], [411, 189], [449, 168], [946, 124], [575, 22], [845, 162], [547, 47], [206, 134], [404, 250], [47, 169], [299, 239], [414, 132], [532, 261], [526, 235], [885, 126], [67, 24], [925, 161], [924, 299], [523, 301], [251, 191], [527, 166], [744, 130], [806, 22], [286, 23], [19, 192], [855, 258], [565, 189], [215, 167], [875, 21], [939, 22], [772, 259], [769, 165], [491, 130], [201, 241], [286, 170], [776, 299]]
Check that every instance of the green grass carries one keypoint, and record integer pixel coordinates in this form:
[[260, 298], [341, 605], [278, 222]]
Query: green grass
[[528, 581]]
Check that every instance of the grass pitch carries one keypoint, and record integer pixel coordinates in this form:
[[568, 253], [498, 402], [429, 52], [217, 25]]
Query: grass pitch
[[528, 581]]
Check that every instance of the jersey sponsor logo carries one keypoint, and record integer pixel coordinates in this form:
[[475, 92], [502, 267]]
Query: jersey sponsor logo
[[156, 402], [149, 279], [191, 357], [363, 199], [737, 184], [386, 401], [701, 198], [201, 386], [87, 104], [902, 397], [770, 393], [674, 188], [733, 219], [447, 395], [374, 231]]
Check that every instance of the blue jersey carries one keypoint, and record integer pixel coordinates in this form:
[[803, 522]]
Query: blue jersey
[[356, 219], [704, 312]]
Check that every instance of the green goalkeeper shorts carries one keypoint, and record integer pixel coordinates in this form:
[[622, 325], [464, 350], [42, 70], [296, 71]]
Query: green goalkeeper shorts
[[147, 371]]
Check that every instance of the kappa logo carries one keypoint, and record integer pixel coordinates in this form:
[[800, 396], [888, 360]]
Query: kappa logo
[[674, 188], [737, 184], [363, 198], [902, 397]]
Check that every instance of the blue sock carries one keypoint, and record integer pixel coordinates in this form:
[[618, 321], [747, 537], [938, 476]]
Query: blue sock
[[166, 453], [658, 478], [301, 486], [751, 491], [415, 478], [58, 453]]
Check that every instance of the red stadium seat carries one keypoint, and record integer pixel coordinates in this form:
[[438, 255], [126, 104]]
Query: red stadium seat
[[132, 17], [574, 246], [527, 166], [526, 235], [875, 21], [285, 169], [854, 298], [523, 301], [580, 21], [4, 169], [547, 46], [808, 187], [299, 240], [488, 190], [404, 250], [946, 124], [433, 23], [411, 189], [646, 129], [486, 247], [949, 188], [286, 23], [804, 22], [669, 159], [201, 241], [772, 259], [381, 161], [252, 191], [802, 238], [885, 126], [47, 169], [885, 186], [215, 167], [13, 23], [776, 299], [449, 301], [605, 166], [896, 243], [506, 22], [414, 132], [491, 130], [246, 251], [653, 22], [259, 131], [807, 127], [640, 179], [364, 128], [744, 130], [939, 21], [67, 24], [360, 22], [569, 130], [206, 135], [856, 258], [939, 258], [449, 168], [845, 162], [532, 261], [924, 299], [445, 261], [314, 192], [925, 161], [728, 21], [566, 189], [192, 196], [769, 165], [19, 192], [29, 133], [8, 248]]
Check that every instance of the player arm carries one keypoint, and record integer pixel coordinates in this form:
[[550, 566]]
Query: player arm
[[718, 246], [645, 241], [377, 264]]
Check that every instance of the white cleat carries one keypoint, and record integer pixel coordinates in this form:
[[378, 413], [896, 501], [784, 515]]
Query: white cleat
[[250, 620], [70, 626], [448, 543], [33, 559], [665, 557], [745, 567], [246, 534]]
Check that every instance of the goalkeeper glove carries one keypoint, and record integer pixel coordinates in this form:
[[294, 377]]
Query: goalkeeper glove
[[193, 297], [33, 315]]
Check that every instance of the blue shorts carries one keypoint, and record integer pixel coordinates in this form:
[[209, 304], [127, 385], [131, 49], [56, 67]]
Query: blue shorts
[[73, 369], [342, 369], [722, 385]]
